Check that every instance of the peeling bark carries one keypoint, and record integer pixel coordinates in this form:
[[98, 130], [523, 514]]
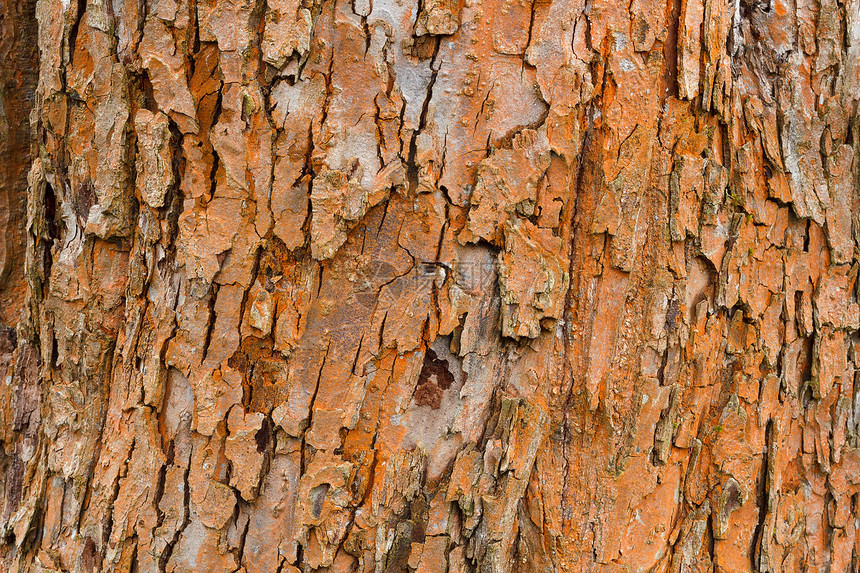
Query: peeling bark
[[566, 285]]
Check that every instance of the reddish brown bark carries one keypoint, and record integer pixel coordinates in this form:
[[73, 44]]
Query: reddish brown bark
[[383, 286]]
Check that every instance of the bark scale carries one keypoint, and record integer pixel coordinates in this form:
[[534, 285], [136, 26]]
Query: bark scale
[[563, 285]]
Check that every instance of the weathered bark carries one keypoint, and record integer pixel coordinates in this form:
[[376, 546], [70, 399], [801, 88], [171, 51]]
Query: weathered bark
[[567, 285], [19, 401]]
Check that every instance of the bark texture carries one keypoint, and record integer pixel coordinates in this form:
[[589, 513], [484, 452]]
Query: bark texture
[[19, 412], [430, 285]]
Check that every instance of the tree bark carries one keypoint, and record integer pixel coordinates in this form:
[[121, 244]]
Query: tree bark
[[384, 286]]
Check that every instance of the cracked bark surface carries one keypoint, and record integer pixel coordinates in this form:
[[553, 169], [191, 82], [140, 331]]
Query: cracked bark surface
[[393, 285]]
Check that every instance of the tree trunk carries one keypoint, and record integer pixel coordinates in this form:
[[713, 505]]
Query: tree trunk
[[383, 286]]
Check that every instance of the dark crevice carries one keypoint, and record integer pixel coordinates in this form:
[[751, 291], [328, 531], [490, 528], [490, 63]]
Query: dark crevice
[[211, 324], [168, 550], [216, 161], [75, 27], [411, 165], [304, 447], [670, 51], [762, 501]]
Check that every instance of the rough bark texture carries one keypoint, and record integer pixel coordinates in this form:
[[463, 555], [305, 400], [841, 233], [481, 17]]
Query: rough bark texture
[[19, 400], [430, 285]]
